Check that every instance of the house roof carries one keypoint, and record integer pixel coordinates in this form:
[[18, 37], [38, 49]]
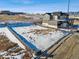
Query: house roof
[[48, 14], [60, 13]]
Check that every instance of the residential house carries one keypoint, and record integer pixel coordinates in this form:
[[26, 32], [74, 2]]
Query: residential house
[[47, 20], [56, 19], [59, 15]]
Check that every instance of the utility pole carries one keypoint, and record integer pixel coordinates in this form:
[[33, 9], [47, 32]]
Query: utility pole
[[68, 10], [68, 13], [68, 6]]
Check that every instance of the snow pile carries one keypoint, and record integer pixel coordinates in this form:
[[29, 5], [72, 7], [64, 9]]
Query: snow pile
[[4, 30], [41, 41]]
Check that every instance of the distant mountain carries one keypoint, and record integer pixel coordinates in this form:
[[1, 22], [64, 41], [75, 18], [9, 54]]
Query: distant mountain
[[11, 13]]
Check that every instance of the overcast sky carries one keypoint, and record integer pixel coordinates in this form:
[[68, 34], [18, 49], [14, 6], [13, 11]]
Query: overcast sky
[[38, 6]]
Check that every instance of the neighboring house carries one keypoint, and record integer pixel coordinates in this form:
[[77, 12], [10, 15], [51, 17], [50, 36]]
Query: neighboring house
[[64, 24], [74, 16], [56, 19], [62, 20], [47, 20], [47, 16], [59, 15], [55, 16]]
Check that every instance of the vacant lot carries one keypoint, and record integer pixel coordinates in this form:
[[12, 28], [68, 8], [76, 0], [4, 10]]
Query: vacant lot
[[19, 18], [68, 49], [13, 17], [5, 43]]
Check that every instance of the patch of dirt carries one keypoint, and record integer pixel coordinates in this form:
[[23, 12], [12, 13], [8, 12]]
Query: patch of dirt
[[69, 49]]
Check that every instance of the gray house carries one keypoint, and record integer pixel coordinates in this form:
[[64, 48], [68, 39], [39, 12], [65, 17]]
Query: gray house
[[59, 15], [47, 16], [56, 19]]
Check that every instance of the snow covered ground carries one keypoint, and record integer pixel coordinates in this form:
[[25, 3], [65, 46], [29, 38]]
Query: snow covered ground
[[4, 30], [40, 39]]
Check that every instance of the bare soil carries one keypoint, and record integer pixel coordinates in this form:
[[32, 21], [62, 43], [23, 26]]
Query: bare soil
[[68, 49]]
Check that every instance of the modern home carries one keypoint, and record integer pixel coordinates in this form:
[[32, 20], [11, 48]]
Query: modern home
[[56, 19], [59, 15]]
